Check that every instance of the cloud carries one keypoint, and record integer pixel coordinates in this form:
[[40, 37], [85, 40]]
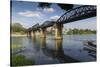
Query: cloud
[[48, 10], [31, 13], [55, 17]]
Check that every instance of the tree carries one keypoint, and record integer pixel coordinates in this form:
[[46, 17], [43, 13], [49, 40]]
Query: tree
[[81, 31], [17, 27]]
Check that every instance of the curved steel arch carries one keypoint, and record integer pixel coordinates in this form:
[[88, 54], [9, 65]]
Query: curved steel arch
[[78, 13], [71, 15], [47, 24], [35, 27], [29, 29]]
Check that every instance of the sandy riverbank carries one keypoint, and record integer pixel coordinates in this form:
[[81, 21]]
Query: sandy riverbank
[[18, 35]]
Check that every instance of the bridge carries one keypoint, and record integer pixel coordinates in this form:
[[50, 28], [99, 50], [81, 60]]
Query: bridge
[[74, 14]]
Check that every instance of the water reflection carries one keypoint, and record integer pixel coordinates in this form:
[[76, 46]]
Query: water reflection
[[57, 53], [51, 51], [43, 43], [91, 52], [58, 45], [36, 43]]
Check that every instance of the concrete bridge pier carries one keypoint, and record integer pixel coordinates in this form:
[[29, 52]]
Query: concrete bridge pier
[[33, 33], [58, 31], [37, 33], [43, 33], [28, 33]]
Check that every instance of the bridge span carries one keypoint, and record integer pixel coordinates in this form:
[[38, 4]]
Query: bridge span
[[75, 14]]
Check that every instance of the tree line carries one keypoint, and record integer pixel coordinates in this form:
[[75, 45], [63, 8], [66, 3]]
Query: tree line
[[17, 28], [80, 31]]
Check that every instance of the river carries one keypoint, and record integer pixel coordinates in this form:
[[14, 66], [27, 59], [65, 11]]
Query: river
[[51, 51]]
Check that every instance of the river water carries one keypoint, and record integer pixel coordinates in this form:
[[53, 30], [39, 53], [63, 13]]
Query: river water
[[51, 51]]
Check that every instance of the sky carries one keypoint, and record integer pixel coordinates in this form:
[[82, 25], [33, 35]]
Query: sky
[[29, 14]]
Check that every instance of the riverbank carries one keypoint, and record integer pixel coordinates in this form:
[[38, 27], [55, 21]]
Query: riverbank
[[18, 35]]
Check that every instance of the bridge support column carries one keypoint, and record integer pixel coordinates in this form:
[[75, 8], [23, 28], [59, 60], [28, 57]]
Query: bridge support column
[[43, 33], [58, 31], [33, 33], [29, 33]]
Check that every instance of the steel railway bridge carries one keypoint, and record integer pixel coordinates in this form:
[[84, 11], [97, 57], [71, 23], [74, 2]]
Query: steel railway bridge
[[75, 14]]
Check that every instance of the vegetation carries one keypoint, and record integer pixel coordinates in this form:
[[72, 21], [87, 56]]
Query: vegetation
[[80, 31], [17, 28], [20, 60]]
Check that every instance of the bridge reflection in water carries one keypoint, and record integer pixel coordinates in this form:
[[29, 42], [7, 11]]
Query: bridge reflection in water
[[56, 52], [53, 51]]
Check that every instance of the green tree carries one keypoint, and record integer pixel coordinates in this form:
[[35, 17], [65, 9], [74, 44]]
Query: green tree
[[17, 27], [81, 31]]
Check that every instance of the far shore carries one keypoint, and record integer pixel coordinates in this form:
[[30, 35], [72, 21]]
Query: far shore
[[18, 35]]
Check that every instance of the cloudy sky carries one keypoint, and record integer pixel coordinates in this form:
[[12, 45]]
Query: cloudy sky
[[28, 14]]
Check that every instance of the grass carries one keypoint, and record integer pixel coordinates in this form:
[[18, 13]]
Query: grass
[[20, 60]]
